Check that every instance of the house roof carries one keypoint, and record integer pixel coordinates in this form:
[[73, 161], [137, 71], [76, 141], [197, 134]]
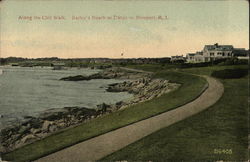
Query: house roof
[[218, 47], [199, 53], [190, 54]]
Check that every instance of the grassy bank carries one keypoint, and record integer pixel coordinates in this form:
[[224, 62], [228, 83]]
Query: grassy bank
[[219, 133], [191, 87], [196, 70]]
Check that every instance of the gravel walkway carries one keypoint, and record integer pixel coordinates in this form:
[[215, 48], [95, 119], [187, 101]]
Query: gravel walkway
[[103, 145]]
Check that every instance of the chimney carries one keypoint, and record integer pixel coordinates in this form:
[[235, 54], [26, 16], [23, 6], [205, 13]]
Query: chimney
[[216, 45]]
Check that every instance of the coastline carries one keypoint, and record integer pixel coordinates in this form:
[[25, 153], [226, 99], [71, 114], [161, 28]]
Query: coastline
[[55, 120]]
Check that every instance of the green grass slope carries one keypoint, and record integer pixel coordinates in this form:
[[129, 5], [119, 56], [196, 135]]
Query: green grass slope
[[219, 133]]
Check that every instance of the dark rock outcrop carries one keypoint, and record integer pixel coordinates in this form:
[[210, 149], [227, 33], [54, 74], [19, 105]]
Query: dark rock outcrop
[[81, 77], [143, 89], [112, 73], [52, 120]]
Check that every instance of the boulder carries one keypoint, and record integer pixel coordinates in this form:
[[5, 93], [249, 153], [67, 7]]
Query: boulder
[[28, 138], [102, 107], [45, 126], [35, 131], [52, 128], [23, 130]]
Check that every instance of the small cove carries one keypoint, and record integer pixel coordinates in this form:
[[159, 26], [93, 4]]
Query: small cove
[[31, 90]]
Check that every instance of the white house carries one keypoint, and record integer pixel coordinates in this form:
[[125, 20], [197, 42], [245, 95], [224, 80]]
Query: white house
[[216, 51], [177, 58], [195, 57], [211, 52], [190, 57]]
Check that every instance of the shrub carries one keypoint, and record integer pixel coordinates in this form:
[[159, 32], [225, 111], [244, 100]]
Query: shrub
[[230, 73], [233, 61]]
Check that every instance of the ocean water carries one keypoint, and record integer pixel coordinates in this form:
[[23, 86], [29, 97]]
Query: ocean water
[[30, 91]]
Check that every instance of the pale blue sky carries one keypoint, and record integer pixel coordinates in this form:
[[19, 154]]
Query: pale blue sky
[[190, 25]]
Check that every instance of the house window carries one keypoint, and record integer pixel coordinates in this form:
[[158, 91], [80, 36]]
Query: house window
[[223, 54], [211, 54]]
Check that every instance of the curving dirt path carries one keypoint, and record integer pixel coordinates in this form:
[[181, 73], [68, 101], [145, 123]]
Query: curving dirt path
[[103, 145]]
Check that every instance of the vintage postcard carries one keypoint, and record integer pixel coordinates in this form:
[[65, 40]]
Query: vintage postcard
[[129, 80]]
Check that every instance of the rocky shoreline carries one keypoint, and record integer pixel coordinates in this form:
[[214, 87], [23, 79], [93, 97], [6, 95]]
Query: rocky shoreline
[[111, 73], [53, 120], [143, 89]]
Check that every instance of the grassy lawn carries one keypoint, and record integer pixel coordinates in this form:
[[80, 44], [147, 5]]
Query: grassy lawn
[[153, 67], [191, 87], [210, 69], [219, 133], [196, 70]]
